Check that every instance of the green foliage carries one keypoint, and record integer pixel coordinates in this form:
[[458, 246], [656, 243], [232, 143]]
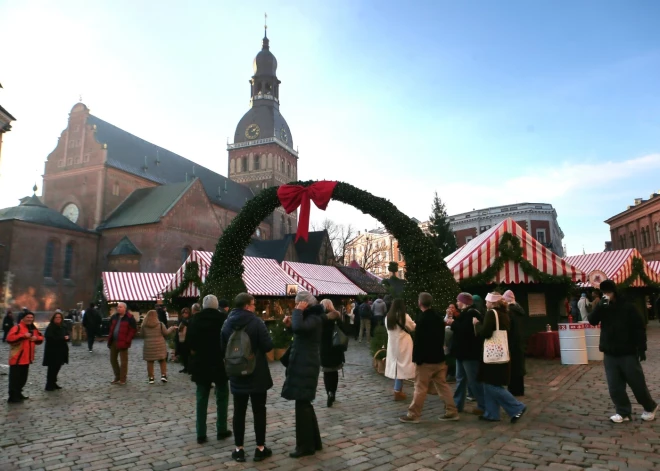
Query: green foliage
[[441, 234], [393, 268], [379, 341], [190, 275], [637, 271], [280, 334], [510, 250]]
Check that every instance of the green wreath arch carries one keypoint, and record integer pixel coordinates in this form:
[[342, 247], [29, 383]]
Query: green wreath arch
[[425, 268]]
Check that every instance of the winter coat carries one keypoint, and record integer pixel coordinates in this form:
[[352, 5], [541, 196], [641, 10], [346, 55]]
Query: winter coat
[[127, 330], [302, 374], [622, 330], [21, 350], [332, 358], [92, 320], [56, 351], [203, 337], [154, 347], [465, 345], [260, 380], [398, 363], [379, 308], [517, 317], [365, 311], [7, 323], [429, 338], [489, 373]]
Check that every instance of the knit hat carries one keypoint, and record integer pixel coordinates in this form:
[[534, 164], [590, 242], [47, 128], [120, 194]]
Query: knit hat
[[465, 298], [509, 297], [493, 297], [608, 286]]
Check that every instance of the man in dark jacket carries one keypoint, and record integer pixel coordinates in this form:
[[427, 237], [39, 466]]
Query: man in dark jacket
[[207, 367], [365, 320], [623, 343], [429, 356], [466, 348], [251, 387], [162, 313], [302, 373], [517, 317], [122, 330], [92, 324]]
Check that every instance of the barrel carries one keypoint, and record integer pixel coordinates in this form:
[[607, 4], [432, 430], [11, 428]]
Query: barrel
[[572, 344], [592, 335]]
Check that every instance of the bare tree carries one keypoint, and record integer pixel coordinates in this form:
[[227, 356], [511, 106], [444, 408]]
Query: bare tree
[[339, 234], [365, 251]]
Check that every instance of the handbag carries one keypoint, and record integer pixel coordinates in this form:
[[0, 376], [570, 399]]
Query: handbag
[[496, 348], [339, 338]]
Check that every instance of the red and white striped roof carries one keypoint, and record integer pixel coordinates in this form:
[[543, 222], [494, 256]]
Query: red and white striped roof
[[128, 286], [616, 264], [654, 265], [321, 279], [478, 254], [262, 276]]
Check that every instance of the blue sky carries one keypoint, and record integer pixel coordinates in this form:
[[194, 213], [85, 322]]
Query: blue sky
[[487, 102]]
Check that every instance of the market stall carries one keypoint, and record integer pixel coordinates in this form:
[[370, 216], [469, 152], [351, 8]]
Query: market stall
[[322, 280], [133, 287]]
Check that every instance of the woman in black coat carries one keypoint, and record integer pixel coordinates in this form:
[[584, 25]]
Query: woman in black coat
[[332, 358], [302, 373], [517, 317], [56, 352]]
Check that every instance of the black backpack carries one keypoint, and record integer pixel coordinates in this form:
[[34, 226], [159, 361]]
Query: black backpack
[[365, 311], [240, 359]]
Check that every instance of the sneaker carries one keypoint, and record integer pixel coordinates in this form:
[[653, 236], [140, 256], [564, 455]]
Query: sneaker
[[648, 416], [470, 399], [448, 417], [90, 351], [517, 417], [260, 455], [57, 386], [406, 419], [114, 381], [163, 378], [24, 397], [617, 419], [238, 455], [151, 380]]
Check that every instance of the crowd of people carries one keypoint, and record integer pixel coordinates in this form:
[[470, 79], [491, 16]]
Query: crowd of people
[[226, 350]]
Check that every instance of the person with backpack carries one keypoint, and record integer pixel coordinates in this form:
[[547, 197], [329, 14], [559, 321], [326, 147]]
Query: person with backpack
[[245, 341], [365, 320], [302, 373], [207, 367]]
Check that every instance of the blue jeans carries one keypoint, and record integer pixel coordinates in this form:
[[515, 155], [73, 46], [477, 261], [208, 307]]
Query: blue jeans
[[398, 385], [496, 396], [466, 375]]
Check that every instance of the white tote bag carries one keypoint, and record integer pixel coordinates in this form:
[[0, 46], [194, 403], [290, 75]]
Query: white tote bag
[[496, 348]]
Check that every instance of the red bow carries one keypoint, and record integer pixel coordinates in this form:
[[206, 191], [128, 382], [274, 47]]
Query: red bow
[[292, 196]]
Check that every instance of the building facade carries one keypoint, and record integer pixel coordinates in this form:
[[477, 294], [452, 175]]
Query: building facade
[[5, 124], [638, 227]]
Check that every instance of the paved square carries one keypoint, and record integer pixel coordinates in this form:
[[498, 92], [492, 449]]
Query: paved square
[[95, 426]]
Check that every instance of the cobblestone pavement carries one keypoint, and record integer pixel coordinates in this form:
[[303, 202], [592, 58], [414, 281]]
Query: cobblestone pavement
[[93, 425]]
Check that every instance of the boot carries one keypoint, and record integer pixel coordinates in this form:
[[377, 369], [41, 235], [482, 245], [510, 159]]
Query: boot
[[400, 396], [331, 398]]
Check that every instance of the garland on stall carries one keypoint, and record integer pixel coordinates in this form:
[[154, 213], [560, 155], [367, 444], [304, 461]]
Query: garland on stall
[[425, 268], [510, 250], [638, 270], [190, 275]]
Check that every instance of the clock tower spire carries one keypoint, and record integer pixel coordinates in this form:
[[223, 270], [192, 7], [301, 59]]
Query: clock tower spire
[[262, 153]]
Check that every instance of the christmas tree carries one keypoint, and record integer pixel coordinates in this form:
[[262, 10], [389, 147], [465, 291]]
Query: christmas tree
[[440, 232]]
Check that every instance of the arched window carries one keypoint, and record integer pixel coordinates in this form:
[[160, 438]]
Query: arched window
[[288, 169], [185, 253], [244, 164], [643, 238], [68, 260], [115, 189], [257, 162], [657, 233], [50, 256]]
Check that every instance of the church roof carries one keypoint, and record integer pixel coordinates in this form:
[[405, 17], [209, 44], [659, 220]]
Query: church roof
[[274, 249], [308, 252], [146, 205], [32, 210], [363, 280], [125, 247], [136, 156]]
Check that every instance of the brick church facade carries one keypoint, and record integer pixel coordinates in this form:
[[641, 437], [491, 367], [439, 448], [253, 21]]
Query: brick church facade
[[112, 201]]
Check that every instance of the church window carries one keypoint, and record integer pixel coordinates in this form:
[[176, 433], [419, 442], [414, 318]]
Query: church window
[[69, 161], [269, 89], [68, 261], [86, 158], [257, 161], [78, 160], [115, 189], [288, 169], [264, 185], [244, 164], [61, 163], [50, 255]]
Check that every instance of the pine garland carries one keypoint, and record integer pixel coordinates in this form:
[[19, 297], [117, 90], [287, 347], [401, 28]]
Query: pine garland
[[190, 275], [638, 271]]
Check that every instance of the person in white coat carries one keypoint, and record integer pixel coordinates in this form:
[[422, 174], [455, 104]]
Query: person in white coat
[[398, 363]]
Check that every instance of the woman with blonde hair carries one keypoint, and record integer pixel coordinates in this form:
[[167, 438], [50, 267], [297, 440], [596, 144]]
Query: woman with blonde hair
[[332, 358], [398, 362], [155, 347]]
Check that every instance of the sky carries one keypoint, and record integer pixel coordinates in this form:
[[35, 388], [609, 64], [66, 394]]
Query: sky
[[485, 102]]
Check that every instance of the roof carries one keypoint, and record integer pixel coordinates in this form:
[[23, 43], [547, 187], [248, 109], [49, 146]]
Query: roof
[[262, 276], [32, 210], [275, 249], [125, 247], [654, 265], [321, 279], [145, 206], [128, 153], [129, 286], [363, 280], [616, 264], [5, 112], [308, 252], [478, 254]]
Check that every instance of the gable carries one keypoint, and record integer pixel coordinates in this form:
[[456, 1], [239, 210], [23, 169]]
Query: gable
[[193, 213]]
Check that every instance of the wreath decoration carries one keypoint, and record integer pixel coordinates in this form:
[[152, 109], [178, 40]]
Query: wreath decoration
[[638, 271]]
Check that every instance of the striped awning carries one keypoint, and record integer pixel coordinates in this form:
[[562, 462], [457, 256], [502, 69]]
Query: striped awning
[[616, 264], [478, 254], [128, 286], [262, 276], [321, 279], [654, 265]]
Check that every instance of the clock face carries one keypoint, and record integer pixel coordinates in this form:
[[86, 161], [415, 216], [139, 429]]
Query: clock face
[[284, 135], [71, 212], [252, 131]]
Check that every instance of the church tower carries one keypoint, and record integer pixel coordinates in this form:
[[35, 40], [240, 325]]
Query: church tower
[[262, 153]]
